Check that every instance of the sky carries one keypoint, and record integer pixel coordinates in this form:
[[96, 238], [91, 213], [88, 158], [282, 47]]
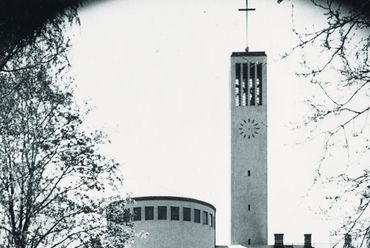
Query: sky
[[157, 76]]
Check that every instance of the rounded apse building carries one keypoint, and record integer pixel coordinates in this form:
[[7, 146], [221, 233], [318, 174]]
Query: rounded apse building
[[173, 222]]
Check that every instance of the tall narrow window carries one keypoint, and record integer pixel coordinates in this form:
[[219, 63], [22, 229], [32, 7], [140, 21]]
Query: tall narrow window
[[259, 85], [149, 213], [197, 215], [175, 213], [244, 93], [137, 213], [249, 173], [249, 241], [162, 213], [252, 85], [237, 84], [186, 214], [249, 207], [205, 218], [211, 219]]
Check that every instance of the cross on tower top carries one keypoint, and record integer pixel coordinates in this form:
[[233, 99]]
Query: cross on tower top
[[246, 15]]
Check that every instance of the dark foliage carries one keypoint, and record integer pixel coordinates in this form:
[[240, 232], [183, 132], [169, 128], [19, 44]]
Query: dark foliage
[[360, 5], [54, 181], [34, 24]]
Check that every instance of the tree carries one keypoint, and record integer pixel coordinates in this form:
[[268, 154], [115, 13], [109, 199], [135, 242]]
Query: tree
[[52, 174], [340, 68], [29, 26], [54, 181]]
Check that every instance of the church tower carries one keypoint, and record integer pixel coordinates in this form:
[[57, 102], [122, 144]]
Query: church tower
[[248, 148]]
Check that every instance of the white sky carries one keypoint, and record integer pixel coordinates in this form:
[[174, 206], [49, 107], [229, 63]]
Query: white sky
[[157, 73]]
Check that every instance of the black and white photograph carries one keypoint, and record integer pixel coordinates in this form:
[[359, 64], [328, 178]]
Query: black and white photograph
[[184, 124]]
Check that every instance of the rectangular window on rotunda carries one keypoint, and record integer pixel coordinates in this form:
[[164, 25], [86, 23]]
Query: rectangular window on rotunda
[[186, 214], [205, 218], [197, 215], [162, 213], [149, 213], [137, 213], [175, 213]]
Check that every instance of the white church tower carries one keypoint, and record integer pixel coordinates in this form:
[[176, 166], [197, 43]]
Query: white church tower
[[248, 147]]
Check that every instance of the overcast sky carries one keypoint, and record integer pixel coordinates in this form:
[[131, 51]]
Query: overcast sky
[[157, 74]]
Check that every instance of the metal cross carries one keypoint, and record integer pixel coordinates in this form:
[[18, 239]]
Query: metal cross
[[246, 15]]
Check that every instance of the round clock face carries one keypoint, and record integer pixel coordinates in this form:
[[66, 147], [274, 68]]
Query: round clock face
[[249, 128]]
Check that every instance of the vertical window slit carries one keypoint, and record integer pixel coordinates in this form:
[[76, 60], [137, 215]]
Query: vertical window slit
[[252, 84], [237, 83], [244, 84], [259, 84]]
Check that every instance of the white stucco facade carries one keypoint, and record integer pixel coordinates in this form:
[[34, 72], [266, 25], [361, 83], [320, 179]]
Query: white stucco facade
[[185, 231], [248, 88]]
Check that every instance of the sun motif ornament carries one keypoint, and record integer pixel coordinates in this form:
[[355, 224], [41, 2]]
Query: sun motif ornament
[[249, 128]]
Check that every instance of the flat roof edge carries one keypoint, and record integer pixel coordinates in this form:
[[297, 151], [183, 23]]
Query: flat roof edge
[[174, 198], [256, 53]]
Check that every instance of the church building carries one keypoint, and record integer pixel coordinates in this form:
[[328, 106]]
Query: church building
[[248, 148], [190, 223], [178, 222]]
